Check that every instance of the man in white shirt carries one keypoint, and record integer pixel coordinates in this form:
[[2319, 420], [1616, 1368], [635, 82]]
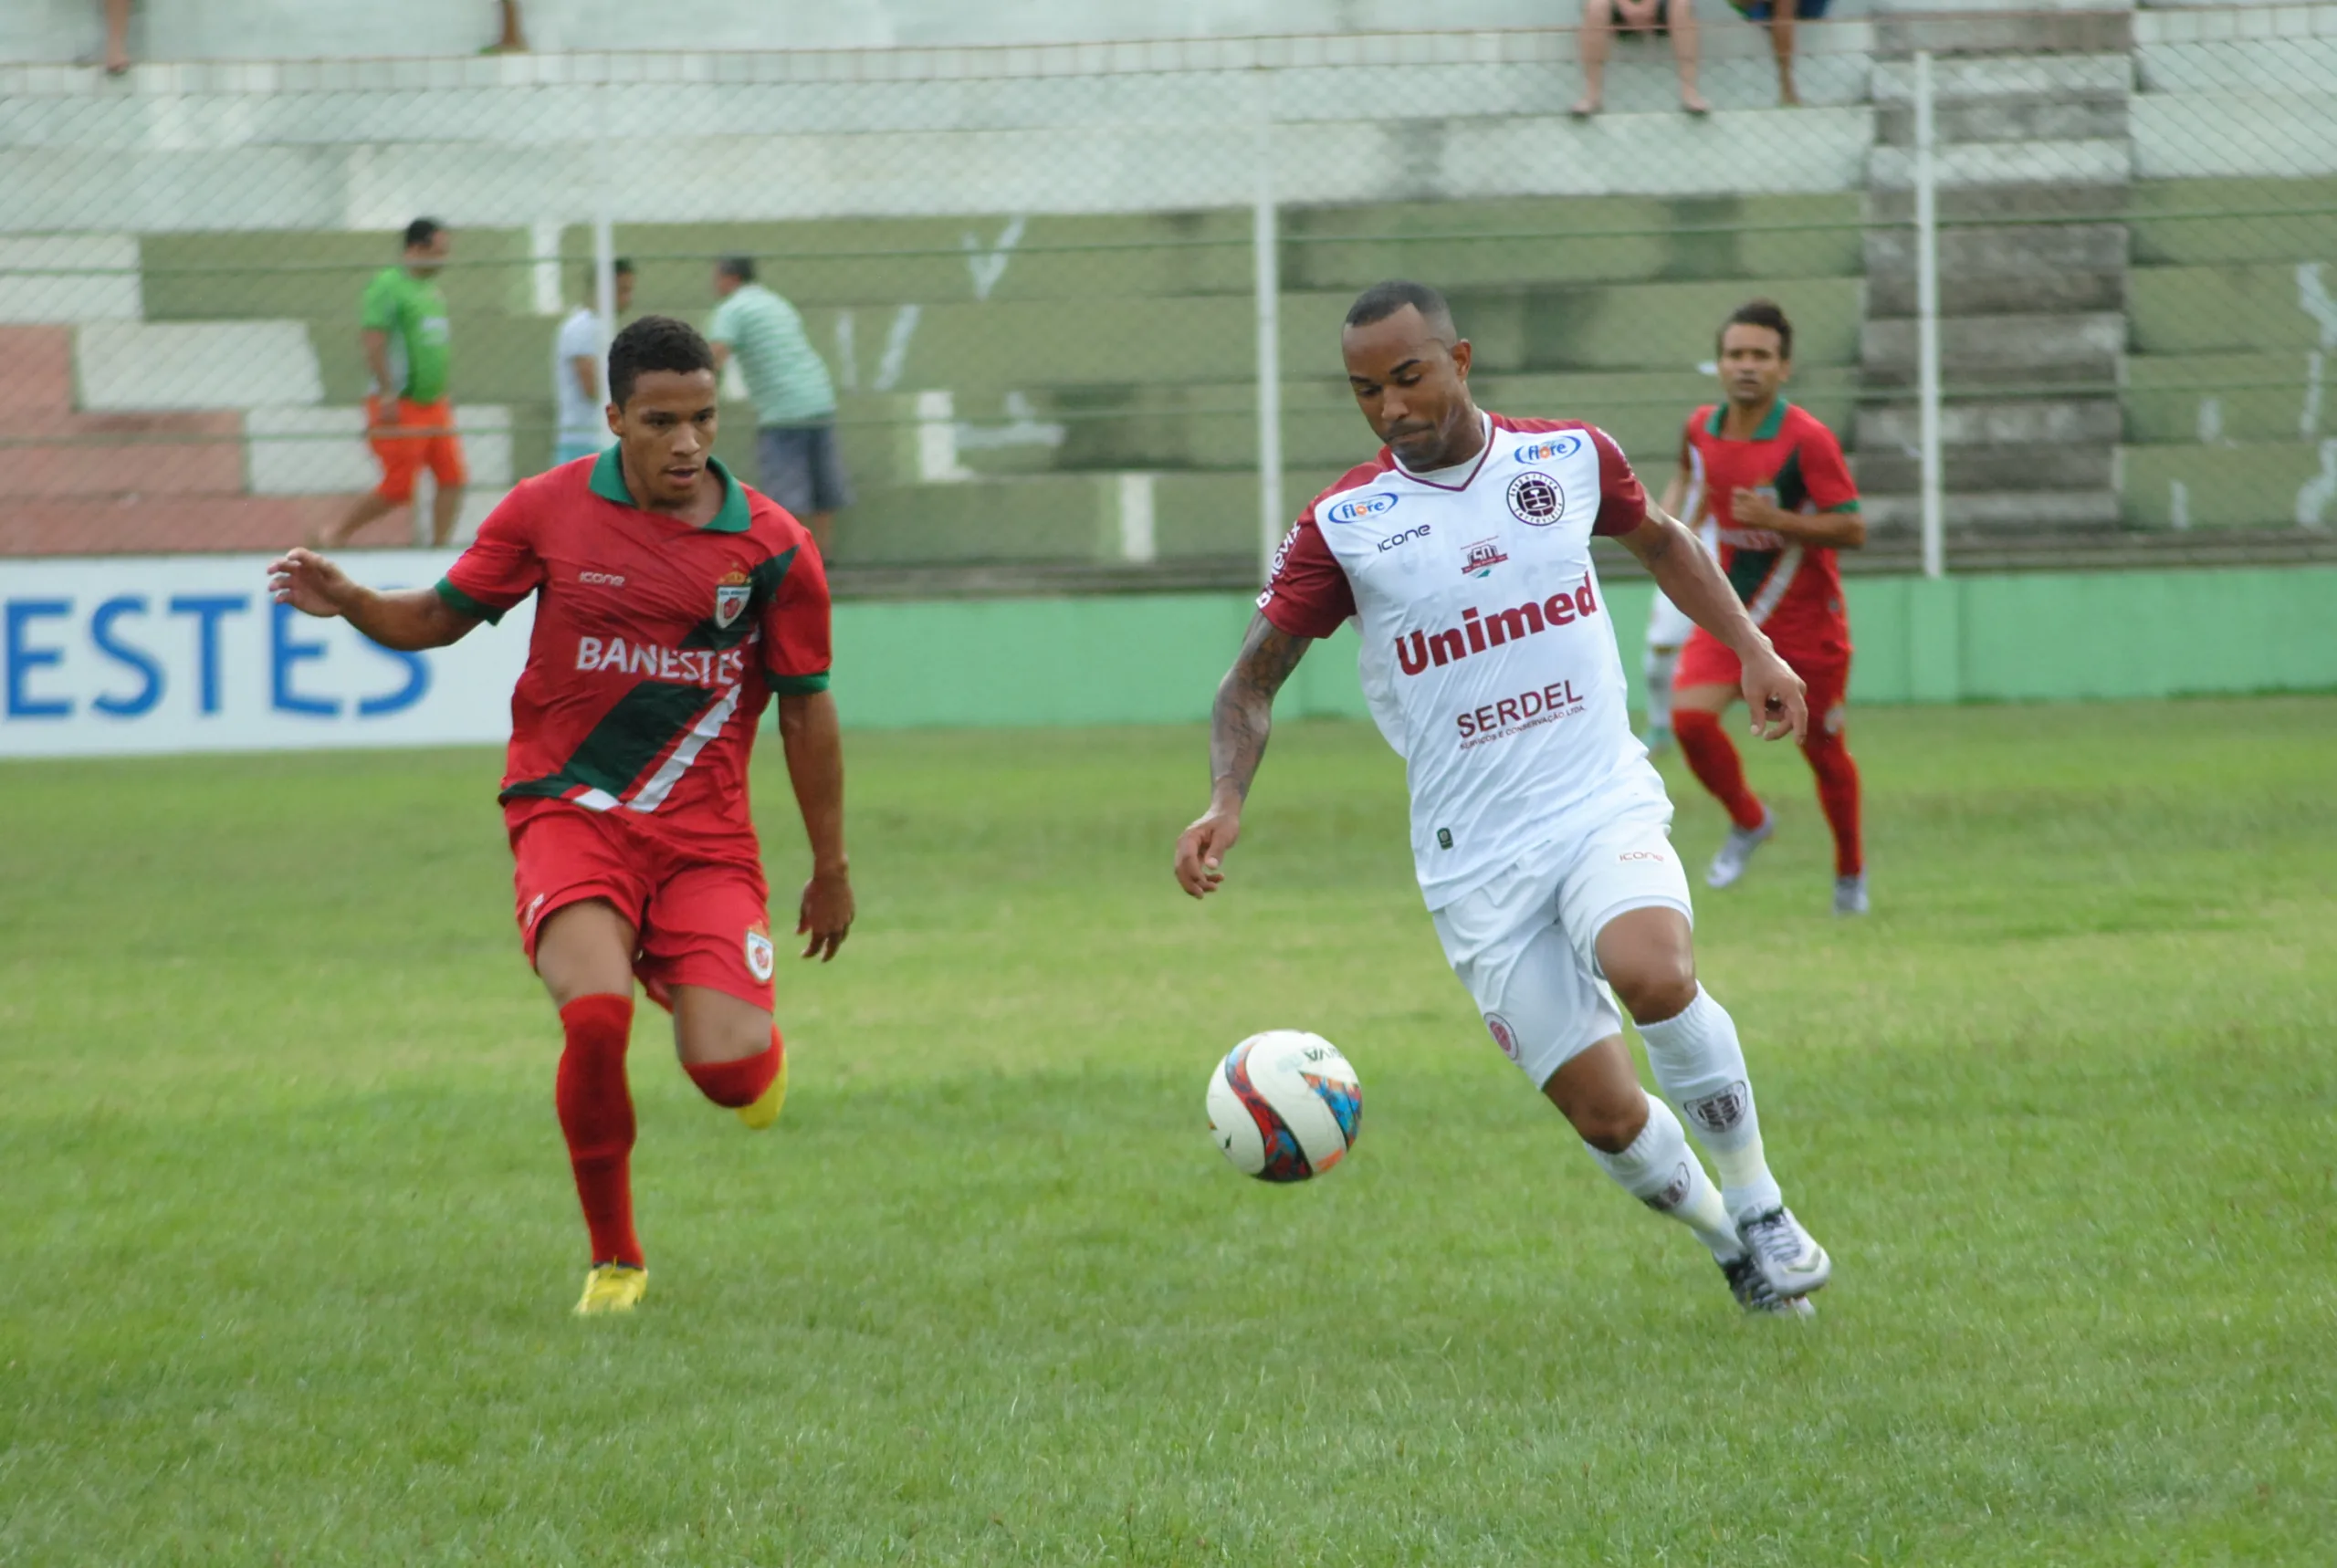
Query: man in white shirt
[[579, 380], [1539, 831]]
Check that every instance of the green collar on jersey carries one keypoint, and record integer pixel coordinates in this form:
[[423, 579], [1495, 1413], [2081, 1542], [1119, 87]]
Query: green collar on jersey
[[1769, 426], [608, 483]]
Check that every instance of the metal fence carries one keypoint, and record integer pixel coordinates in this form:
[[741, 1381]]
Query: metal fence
[[2066, 285]]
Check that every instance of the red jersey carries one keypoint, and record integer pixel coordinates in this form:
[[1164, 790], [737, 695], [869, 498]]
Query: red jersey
[[657, 644], [1794, 592]]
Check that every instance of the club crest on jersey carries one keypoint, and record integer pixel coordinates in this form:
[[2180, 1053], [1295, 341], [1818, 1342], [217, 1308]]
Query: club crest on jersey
[[1355, 509], [1551, 450], [760, 961], [1534, 499], [730, 596], [1479, 558]]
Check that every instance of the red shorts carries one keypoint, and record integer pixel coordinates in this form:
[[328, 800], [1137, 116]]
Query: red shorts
[[1705, 660], [435, 446], [702, 922]]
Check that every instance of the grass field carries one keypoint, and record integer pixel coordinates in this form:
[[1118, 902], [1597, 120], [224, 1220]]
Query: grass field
[[290, 1240]]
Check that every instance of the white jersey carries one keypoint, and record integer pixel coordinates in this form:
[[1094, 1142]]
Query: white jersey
[[1489, 658], [581, 420]]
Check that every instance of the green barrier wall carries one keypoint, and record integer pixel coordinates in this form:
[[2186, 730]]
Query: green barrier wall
[[1156, 659]]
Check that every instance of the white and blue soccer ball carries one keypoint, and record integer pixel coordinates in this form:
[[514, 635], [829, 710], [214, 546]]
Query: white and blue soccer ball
[[1284, 1105]]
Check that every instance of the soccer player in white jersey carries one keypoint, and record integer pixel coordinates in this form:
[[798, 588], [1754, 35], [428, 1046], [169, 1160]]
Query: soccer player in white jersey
[[1540, 830]]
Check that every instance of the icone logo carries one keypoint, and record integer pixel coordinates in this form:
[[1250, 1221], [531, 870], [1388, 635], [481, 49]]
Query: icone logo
[[1479, 631], [1356, 508], [1407, 537], [1546, 450]]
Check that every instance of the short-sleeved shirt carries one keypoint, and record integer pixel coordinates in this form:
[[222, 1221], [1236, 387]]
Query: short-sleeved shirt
[[582, 419], [1488, 657], [785, 375], [1793, 591], [413, 313], [657, 645]]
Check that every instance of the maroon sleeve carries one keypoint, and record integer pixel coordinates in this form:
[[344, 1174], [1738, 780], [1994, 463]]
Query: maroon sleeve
[[1623, 504], [796, 627], [1307, 592], [501, 567], [1831, 489]]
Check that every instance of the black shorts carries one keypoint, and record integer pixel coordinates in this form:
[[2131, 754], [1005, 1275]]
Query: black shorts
[[1663, 18], [802, 469]]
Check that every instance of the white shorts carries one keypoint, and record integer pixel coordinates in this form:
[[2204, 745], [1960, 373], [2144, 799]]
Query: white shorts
[[1525, 944], [1667, 625]]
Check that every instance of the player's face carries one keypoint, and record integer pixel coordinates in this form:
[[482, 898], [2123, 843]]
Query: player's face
[[1412, 386], [424, 260], [1751, 369], [625, 291], [667, 429]]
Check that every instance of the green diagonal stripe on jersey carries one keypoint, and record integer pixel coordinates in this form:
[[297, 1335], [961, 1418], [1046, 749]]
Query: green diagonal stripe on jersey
[[1748, 570], [1793, 490], [761, 583], [629, 738]]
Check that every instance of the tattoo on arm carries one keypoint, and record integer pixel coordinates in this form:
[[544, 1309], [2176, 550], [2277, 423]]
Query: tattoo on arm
[[1243, 715]]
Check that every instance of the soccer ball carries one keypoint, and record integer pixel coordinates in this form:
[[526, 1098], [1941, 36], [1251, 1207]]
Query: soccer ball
[[1284, 1105]]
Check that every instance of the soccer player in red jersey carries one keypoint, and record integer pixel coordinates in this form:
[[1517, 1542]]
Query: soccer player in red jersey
[[1776, 484], [673, 603]]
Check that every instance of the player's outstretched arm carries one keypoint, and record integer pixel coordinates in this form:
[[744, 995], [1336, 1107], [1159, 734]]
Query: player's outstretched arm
[[815, 742], [1238, 727], [408, 620], [1693, 581]]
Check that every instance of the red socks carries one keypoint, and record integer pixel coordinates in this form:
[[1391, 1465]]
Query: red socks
[[1712, 759], [1837, 794], [739, 1082], [596, 1118]]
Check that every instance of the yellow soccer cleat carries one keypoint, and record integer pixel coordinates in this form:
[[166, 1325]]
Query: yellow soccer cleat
[[613, 1288], [768, 1105]]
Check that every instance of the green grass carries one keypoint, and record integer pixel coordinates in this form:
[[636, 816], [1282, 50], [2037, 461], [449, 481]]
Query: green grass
[[292, 1244]]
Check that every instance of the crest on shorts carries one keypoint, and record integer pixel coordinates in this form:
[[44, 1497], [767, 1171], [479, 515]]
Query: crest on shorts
[[1536, 499], [1503, 1036], [730, 596], [761, 961]]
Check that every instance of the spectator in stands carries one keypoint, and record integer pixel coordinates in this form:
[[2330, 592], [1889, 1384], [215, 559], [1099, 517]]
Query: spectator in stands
[[578, 360], [1602, 20], [514, 40], [116, 37], [795, 404], [1781, 36], [409, 417]]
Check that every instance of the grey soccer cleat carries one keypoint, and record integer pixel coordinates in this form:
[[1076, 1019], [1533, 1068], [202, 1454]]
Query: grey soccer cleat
[[1789, 1259], [1849, 894], [1753, 1292], [1737, 849]]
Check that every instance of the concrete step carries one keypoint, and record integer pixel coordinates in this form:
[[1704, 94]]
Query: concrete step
[[2006, 350], [89, 460], [299, 451], [2009, 119], [39, 380], [1971, 470], [2063, 201], [68, 279], [140, 525], [2215, 399], [1962, 80], [196, 364], [2244, 66], [1998, 270], [2018, 32], [2003, 511], [2104, 160], [2283, 483], [1892, 427]]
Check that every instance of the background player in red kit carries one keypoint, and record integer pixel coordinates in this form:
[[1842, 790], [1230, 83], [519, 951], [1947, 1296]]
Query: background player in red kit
[[1776, 487], [672, 602]]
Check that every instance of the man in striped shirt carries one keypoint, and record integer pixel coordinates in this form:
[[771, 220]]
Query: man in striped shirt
[[795, 404]]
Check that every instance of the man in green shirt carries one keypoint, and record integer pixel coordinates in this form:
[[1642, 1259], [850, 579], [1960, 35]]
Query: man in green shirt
[[795, 404], [409, 417]]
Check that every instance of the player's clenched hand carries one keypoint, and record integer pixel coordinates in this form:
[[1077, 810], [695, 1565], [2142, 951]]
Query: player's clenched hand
[[825, 915], [309, 583], [1200, 849], [1776, 695]]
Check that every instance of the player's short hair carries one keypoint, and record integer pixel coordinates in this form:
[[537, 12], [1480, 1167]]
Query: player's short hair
[[422, 231], [1382, 300], [741, 267], [654, 343], [621, 267], [1760, 313]]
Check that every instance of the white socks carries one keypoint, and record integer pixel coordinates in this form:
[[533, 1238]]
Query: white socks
[[1700, 1066], [1657, 670], [1662, 1172]]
